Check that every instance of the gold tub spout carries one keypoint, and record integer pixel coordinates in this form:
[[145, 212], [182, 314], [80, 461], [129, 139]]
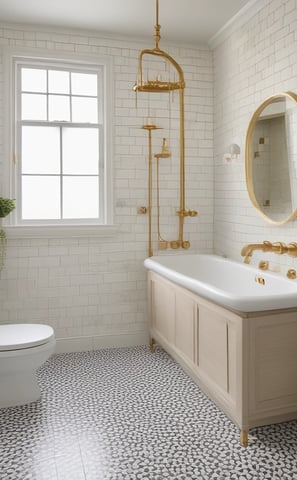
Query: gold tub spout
[[277, 247], [249, 249]]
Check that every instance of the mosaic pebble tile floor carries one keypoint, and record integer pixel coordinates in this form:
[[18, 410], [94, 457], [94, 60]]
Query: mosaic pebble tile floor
[[128, 414]]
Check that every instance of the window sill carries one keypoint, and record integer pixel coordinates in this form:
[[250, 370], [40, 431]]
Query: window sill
[[59, 231]]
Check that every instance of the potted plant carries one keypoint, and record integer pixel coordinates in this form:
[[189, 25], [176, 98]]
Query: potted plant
[[6, 206]]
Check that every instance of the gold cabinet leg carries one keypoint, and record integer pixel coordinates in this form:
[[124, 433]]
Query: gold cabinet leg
[[244, 438], [152, 344]]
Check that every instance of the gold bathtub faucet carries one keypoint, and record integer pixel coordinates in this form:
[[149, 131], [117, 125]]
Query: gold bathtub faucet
[[278, 247]]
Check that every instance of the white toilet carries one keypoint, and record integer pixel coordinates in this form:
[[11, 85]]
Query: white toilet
[[23, 348]]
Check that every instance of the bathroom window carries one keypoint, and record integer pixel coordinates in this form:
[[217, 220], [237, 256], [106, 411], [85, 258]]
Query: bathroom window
[[60, 167]]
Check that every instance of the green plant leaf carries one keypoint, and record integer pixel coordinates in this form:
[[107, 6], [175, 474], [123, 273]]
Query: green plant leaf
[[6, 206]]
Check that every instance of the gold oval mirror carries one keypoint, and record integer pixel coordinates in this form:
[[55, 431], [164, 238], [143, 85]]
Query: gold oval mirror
[[271, 158]]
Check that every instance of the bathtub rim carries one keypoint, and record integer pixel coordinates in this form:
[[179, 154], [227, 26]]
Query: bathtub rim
[[244, 304]]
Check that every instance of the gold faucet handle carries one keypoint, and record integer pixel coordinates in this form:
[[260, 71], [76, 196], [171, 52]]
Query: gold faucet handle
[[187, 213], [192, 213], [263, 265], [291, 273]]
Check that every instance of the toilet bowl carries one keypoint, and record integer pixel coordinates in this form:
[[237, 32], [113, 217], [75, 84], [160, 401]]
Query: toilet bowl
[[23, 349]]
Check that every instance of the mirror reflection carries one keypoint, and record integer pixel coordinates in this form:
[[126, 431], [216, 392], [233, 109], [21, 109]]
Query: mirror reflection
[[271, 158]]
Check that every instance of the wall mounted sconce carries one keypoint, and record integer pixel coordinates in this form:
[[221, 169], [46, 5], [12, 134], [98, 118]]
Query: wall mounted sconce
[[232, 152]]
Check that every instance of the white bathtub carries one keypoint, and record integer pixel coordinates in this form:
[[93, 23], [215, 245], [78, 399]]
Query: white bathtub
[[228, 283]]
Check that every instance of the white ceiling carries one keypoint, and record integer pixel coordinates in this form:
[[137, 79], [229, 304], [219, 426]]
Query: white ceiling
[[185, 21]]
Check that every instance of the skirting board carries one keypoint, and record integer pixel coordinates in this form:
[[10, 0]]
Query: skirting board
[[97, 342]]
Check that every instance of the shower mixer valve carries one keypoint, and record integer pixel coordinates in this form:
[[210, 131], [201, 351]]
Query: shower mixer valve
[[187, 213]]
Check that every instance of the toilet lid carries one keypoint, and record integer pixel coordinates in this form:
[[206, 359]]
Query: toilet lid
[[24, 335]]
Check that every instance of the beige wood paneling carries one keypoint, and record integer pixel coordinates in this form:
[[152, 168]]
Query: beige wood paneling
[[163, 298], [213, 349], [185, 325], [246, 363]]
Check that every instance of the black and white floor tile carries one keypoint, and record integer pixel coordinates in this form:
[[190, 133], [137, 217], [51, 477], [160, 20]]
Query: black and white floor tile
[[128, 414]]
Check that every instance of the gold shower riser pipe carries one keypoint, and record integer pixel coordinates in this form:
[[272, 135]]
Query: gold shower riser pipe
[[182, 168], [150, 128], [150, 187]]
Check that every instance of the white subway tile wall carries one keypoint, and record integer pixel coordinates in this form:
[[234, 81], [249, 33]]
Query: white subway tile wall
[[96, 286], [253, 59]]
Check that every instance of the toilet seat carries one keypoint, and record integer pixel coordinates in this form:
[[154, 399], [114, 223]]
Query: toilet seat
[[24, 335]]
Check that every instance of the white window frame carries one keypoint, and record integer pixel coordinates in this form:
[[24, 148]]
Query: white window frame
[[16, 227]]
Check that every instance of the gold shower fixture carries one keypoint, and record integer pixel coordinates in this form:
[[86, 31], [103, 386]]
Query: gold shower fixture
[[153, 85]]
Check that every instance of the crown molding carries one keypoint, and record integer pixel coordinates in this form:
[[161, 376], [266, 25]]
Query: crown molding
[[249, 11]]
